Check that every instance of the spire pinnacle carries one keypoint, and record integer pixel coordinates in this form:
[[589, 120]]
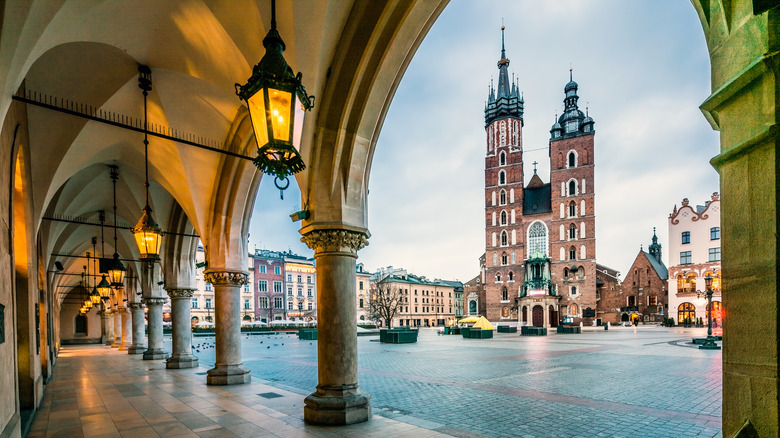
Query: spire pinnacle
[[503, 52]]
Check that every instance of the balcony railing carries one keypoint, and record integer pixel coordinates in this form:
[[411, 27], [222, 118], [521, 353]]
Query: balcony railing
[[537, 284]]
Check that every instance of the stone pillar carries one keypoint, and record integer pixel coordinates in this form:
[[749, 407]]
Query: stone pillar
[[337, 400], [181, 333], [103, 326], [138, 346], [109, 326], [127, 329], [155, 322], [117, 312], [228, 368]]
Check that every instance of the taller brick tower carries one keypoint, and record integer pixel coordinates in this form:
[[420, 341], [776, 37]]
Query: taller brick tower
[[573, 242], [503, 192]]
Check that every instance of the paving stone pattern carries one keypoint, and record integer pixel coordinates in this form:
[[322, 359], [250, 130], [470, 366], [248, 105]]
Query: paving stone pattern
[[624, 382]]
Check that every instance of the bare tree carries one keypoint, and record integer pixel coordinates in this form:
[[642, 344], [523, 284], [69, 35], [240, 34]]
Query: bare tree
[[385, 303]]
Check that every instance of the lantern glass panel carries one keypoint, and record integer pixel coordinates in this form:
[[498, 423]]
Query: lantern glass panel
[[257, 114], [148, 242], [280, 103]]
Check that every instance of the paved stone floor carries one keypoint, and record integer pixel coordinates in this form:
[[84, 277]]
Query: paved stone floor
[[626, 382]]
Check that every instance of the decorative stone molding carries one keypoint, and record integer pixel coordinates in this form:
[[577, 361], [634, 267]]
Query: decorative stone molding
[[230, 278], [135, 305], [155, 301], [345, 241], [180, 293]]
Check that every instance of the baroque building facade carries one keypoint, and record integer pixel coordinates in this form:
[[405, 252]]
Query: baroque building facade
[[540, 244]]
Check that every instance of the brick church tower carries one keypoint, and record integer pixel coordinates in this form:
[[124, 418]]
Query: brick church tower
[[539, 261]]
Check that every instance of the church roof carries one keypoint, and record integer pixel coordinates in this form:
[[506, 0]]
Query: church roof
[[535, 182], [659, 267], [536, 200]]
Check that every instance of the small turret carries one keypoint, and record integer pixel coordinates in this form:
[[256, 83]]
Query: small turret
[[655, 248]]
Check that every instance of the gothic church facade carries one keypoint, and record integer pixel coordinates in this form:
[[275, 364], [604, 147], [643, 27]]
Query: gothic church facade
[[540, 242]]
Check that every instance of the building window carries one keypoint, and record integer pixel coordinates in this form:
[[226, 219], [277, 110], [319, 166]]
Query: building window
[[502, 197], [572, 253], [572, 209], [714, 233], [208, 303], [686, 237], [685, 258], [498, 280], [572, 232], [246, 304], [574, 309], [631, 301], [262, 269], [503, 259], [504, 238], [278, 303], [308, 279], [300, 291], [289, 278], [715, 254], [652, 300], [361, 303], [361, 286], [311, 306], [504, 294], [300, 306], [511, 278], [565, 273], [289, 290], [246, 288], [194, 303], [572, 159], [289, 305], [537, 239], [262, 302], [501, 178], [300, 280], [208, 287], [503, 218], [574, 290], [308, 292], [277, 287], [502, 158], [572, 188], [262, 286], [686, 313], [277, 270]]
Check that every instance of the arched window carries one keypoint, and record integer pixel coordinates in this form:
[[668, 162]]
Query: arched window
[[502, 158], [503, 218], [572, 253], [572, 159], [502, 197], [565, 273], [572, 232], [581, 272], [690, 279], [501, 178], [680, 283], [498, 277], [572, 188], [504, 294], [505, 312], [504, 238], [504, 259], [511, 276], [472, 306], [572, 209], [537, 240], [686, 313], [574, 309]]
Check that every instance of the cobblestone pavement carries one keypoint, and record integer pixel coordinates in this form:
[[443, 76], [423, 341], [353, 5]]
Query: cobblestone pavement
[[624, 382]]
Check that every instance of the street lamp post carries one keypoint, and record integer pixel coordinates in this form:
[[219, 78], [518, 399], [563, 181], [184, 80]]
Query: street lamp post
[[709, 343]]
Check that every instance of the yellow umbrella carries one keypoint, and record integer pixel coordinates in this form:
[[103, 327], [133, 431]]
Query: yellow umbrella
[[469, 320], [483, 324]]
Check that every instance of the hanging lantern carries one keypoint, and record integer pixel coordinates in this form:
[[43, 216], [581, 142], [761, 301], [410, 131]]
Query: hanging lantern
[[102, 290], [116, 272], [269, 93], [94, 297], [148, 237]]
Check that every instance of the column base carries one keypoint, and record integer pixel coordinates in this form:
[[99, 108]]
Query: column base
[[228, 375], [337, 406], [178, 362], [136, 349], [155, 354], [116, 344]]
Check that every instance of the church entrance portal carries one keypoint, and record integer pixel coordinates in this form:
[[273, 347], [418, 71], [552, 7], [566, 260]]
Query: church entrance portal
[[538, 316]]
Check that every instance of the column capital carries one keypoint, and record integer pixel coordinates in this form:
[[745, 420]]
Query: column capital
[[336, 240], [180, 293], [135, 305], [153, 301], [230, 278]]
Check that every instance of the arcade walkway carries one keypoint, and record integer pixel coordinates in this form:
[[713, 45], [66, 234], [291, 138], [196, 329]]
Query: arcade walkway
[[101, 392]]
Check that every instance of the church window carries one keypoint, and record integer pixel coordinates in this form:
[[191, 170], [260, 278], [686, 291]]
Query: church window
[[652, 300], [503, 218], [563, 210], [502, 129], [563, 232], [572, 188], [572, 253], [572, 209], [574, 292], [514, 237], [493, 196], [502, 197], [498, 277], [582, 189], [582, 230], [565, 273], [501, 178], [504, 238], [572, 159], [504, 294], [572, 232], [512, 195], [495, 254], [493, 217], [514, 261], [537, 240], [582, 207], [574, 309], [511, 276], [504, 259], [563, 254], [512, 216], [582, 252], [505, 312], [581, 273], [502, 158]]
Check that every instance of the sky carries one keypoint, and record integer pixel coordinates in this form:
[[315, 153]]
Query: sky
[[643, 70]]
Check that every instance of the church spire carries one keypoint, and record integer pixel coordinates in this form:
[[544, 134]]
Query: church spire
[[655, 248], [503, 71], [505, 99]]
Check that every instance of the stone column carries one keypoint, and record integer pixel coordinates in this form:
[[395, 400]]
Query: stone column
[[103, 326], [117, 312], [109, 326], [155, 322], [228, 368], [138, 346], [181, 333], [337, 400], [127, 329]]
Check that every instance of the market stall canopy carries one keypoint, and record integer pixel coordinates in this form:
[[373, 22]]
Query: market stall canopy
[[469, 320], [483, 324]]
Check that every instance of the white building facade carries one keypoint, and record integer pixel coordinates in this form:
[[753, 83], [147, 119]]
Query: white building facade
[[694, 253]]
